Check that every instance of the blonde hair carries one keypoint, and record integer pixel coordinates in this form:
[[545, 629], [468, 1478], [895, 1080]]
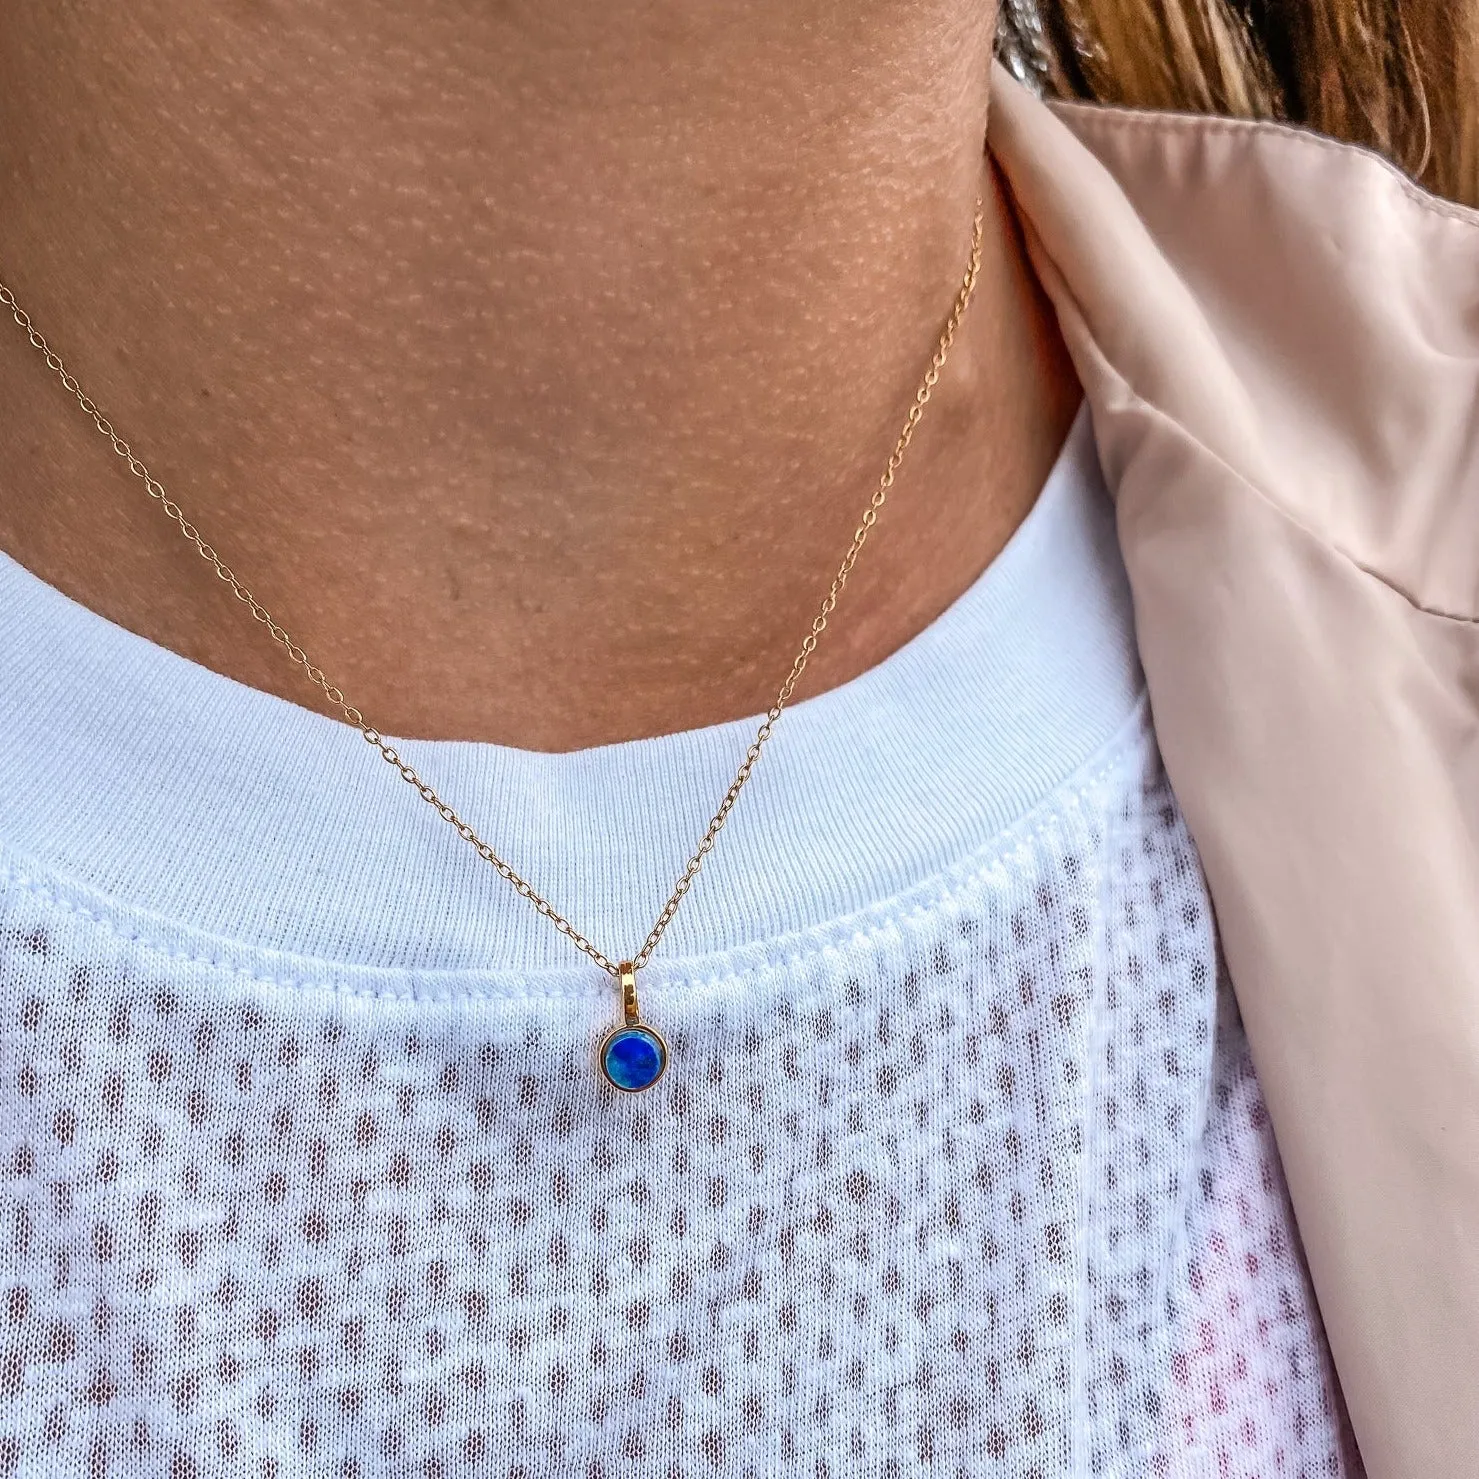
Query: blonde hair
[[1400, 76]]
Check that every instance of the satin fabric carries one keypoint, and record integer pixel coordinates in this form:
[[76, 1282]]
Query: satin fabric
[[1278, 336]]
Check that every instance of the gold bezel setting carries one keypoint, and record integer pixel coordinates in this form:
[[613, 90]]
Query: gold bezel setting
[[634, 1029]]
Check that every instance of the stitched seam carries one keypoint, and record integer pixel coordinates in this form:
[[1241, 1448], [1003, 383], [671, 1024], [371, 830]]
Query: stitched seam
[[1110, 116], [1463, 618], [944, 890]]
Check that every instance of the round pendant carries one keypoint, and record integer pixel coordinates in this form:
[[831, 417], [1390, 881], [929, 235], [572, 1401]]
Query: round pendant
[[632, 1057]]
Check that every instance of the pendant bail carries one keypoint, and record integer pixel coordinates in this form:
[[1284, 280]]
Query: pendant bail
[[628, 991]]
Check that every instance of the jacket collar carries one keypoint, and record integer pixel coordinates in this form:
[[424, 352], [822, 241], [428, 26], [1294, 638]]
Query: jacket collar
[[1278, 336]]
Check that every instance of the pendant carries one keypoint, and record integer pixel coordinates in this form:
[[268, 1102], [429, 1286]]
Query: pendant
[[632, 1055]]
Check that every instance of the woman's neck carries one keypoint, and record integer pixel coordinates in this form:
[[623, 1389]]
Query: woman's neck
[[532, 363]]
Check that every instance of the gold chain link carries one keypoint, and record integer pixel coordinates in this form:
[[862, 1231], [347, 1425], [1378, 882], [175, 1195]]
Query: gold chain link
[[336, 697]]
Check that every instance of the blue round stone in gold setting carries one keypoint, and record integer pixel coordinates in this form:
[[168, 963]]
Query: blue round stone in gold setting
[[633, 1057]]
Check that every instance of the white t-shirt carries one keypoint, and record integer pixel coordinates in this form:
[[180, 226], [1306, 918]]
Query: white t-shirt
[[959, 1166]]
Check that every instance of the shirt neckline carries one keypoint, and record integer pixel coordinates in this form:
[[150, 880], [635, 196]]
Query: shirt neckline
[[183, 794]]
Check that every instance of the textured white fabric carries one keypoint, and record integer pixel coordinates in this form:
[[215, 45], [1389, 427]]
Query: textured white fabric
[[229, 811], [960, 1167]]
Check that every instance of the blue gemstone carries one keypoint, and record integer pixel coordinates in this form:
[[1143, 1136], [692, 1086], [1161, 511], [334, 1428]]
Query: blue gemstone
[[633, 1058]]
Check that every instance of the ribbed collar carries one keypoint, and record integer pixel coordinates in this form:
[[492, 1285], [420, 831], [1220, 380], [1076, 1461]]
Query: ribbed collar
[[183, 794]]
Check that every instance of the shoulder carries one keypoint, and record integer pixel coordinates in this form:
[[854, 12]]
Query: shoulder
[[1278, 336], [1339, 300]]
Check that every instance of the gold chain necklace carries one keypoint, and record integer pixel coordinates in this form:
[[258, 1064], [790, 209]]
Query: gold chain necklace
[[632, 1056]]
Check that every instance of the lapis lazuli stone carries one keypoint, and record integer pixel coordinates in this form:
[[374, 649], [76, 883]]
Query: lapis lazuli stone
[[633, 1058]]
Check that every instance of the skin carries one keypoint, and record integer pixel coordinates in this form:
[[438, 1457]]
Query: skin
[[532, 363]]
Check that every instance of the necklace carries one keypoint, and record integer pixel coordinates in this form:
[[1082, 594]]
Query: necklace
[[632, 1055]]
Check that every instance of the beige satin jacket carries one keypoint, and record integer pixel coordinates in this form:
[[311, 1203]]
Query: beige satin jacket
[[1278, 336]]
